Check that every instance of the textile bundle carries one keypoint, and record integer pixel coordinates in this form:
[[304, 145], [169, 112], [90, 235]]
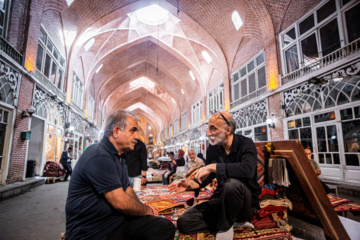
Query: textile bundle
[[273, 209], [277, 172]]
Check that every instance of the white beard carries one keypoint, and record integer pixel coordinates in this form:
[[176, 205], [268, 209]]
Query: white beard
[[217, 140]]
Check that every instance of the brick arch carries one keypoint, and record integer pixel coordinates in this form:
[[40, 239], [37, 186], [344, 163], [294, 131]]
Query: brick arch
[[141, 95], [156, 127], [120, 82], [180, 59]]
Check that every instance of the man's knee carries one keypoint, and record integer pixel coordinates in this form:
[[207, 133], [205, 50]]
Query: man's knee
[[231, 184], [184, 223], [168, 227]]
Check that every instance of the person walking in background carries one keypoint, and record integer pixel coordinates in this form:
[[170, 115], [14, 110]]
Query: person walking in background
[[137, 163], [65, 160]]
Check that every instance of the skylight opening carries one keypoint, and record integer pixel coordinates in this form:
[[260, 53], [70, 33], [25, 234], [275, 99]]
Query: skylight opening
[[207, 57], [192, 75], [152, 15], [236, 20], [138, 105], [142, 82], [69, 2], [98, 69], [89, 44]]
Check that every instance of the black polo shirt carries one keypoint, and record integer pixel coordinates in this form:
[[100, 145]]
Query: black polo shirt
[[240, 163], [88, 213]]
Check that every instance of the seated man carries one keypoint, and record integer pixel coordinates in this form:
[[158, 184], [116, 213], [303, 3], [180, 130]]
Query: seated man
[[194, 162], [100, 203], [316, 167], [232, 159]]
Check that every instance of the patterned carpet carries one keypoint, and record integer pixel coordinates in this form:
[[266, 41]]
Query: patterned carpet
[[159, 197], [343, 205]]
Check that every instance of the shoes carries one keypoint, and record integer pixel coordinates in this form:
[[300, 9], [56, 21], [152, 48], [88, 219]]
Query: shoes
[[243, 225], [65, 180], [227, 235]]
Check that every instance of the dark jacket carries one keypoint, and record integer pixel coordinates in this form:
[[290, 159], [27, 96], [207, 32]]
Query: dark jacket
[[241, 164], [137, 159], [64, 157]]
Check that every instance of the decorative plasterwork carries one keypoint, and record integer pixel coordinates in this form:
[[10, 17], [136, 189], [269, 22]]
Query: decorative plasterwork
[[348, 71], [91, 131], [48, 108], [251, 115], [195, 133], [9, 84], [309, 97], [77, 122]]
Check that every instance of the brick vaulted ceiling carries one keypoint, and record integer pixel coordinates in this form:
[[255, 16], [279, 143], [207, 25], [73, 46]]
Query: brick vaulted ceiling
[[162, 55]]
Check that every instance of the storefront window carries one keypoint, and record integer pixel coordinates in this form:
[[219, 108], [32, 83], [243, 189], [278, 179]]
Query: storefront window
[[298, 130], [53, 143], [351, 136]]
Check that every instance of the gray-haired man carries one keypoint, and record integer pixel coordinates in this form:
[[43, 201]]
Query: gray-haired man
[[231, 158], [100, 203]]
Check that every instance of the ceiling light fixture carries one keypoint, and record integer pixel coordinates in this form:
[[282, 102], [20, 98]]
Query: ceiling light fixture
[[98, 69], [182, 91], [173, 100], [207, 57], [338, 77], [192, 75]]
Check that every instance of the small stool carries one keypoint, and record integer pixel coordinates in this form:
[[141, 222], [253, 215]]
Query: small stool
[[50, 180], [333, 187]]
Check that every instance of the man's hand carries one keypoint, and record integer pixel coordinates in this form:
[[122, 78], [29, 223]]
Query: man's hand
[[153, 212], [204, 172], [179, 187], [143, 181]]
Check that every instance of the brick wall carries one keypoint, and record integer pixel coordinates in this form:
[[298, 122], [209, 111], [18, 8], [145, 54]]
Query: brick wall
[[52, 24], [36, 10], [19, 147], [17, 24], [276, 133]]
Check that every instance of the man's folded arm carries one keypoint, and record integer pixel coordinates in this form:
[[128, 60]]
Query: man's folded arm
[[125, 203]]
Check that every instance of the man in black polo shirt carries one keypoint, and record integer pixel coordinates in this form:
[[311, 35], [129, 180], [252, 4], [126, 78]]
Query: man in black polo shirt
[[137, 163], [232, 159], [100, 203]]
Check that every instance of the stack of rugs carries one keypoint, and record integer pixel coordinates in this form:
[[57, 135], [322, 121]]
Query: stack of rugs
[[273, 210], [53, 169], [344, 205]]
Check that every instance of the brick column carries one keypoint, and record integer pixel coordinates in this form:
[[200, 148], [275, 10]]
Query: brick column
[[18, 159]]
